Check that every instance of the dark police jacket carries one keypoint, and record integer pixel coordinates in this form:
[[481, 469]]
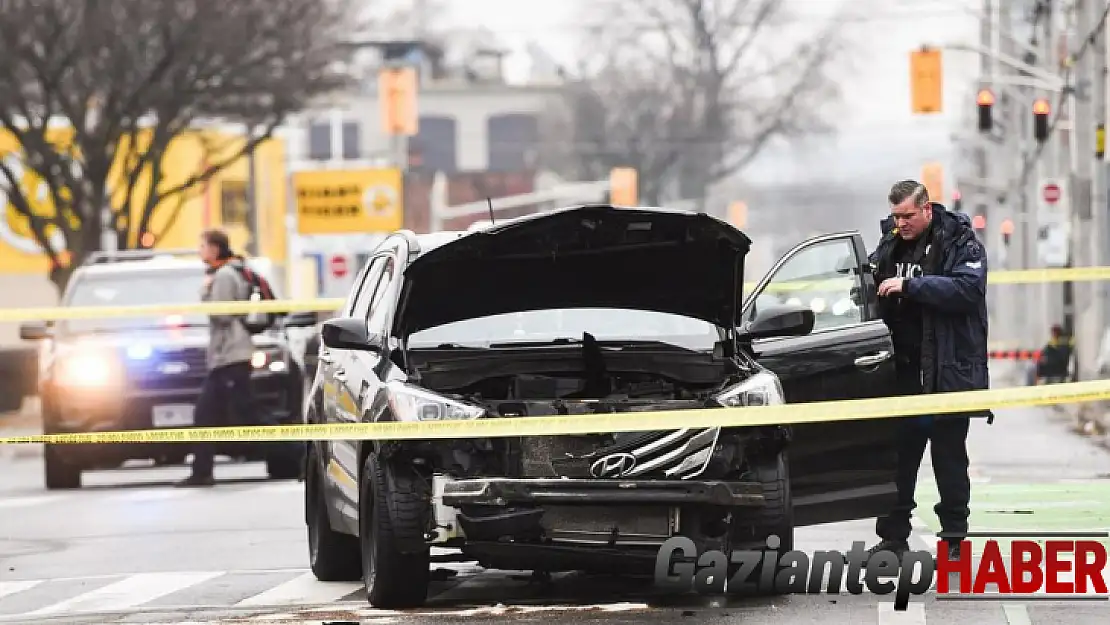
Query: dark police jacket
[[953, 299]]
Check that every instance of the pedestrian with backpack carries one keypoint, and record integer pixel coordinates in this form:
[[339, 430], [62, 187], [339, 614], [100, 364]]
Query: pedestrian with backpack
[[226, 397]]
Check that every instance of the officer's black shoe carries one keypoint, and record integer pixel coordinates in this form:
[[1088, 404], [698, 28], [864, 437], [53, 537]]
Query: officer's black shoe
[[897, 547], [195, 480], [955, 551]]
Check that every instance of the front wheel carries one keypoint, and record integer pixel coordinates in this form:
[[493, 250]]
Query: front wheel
[[57, 472], [396, 560]]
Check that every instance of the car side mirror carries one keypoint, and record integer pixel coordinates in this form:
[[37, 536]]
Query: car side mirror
[[349, 333], [300, 319], [778, 321], [34, 330]]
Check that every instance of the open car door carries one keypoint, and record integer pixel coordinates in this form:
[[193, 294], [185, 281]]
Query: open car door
[[839, 470]]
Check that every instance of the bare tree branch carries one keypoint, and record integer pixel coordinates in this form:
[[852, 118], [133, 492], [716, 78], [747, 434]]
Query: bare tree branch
[[693, 93], [127, 80]]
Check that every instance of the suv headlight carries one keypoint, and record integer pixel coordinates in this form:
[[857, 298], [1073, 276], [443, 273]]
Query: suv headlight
[[87, 369], [415, 404], [762, 389]]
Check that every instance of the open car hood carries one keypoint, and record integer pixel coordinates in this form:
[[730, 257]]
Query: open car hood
[[662, 260]]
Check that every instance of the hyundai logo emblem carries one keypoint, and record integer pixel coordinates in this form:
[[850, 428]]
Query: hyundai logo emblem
[[613, 465], [173, 368]]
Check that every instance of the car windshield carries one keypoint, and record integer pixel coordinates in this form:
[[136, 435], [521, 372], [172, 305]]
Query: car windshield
[[605, 324], [180, 286]]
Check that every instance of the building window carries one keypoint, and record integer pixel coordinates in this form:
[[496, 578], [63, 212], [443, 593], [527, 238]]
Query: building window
[[352, 141], [319, 141], [434, 148], [513, 141], [234, 205]]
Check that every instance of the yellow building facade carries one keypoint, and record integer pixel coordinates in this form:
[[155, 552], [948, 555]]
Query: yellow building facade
[[222, 201]]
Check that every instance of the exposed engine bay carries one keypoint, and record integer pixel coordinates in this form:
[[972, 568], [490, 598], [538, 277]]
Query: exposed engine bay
[[617, 489]]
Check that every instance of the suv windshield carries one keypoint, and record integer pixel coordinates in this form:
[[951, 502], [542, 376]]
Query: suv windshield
[[605, 324], [179, 286]]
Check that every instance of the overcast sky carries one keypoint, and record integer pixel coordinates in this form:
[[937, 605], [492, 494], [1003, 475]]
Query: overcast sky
[[879, 140]]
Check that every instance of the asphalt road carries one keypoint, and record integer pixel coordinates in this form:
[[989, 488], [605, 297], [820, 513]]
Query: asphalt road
[[127, 548]]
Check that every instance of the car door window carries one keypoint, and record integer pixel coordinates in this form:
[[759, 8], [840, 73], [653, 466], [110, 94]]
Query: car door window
[[378, 302], [366, 288], [823, 276]]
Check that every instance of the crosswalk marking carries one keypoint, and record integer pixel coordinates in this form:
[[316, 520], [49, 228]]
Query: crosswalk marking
[[127, 593], [30, 500], [303, 589], [914, 614], [11, 588]]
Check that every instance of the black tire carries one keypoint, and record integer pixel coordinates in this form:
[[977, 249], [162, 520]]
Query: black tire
[[777, 516], [285, 462], [57, 473], [394, 580], [333, 556]]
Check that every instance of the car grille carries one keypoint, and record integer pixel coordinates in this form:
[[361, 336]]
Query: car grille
[[675, 454], [169, 369]]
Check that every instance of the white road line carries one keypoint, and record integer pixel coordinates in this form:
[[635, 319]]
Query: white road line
[[1016, 614], [128, 593], [11, 588], [302, 589], [31, 500], [913, 615]]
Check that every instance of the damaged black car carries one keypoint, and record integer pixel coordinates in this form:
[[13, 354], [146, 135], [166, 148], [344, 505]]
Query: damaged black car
[[590, 310]]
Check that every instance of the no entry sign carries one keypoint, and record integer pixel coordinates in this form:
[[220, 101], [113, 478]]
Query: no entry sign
[[338, 266], [1051, 192]]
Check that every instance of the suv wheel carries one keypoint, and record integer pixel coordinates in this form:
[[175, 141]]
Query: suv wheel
[[392, 508], [59, 474], [333, 556], [777, 515]]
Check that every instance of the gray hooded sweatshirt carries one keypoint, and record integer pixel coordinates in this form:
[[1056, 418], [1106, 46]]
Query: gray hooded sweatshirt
[[229, 341]]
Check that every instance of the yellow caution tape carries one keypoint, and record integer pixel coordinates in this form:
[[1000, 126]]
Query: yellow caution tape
[[1027, 276], [201, 308], [792, 414]]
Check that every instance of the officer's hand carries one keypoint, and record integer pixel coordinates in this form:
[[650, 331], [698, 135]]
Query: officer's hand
[[890, 286]]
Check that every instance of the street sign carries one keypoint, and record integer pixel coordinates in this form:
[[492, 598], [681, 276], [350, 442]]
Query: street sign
[[1051, 192], [362, 201], [338, 266]]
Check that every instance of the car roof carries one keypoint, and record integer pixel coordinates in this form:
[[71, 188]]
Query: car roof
[[163, 264]]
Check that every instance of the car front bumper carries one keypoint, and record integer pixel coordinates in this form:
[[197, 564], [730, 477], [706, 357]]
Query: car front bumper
[[131, 409], [601, 511]]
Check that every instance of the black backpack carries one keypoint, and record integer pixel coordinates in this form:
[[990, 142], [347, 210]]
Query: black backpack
[[260, 290]]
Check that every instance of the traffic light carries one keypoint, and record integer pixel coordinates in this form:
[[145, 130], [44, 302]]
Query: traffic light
[[1040, 120], [1007, 230], [978, 222], [926, 81], [985, 100], [1100, 141], [623, 186]]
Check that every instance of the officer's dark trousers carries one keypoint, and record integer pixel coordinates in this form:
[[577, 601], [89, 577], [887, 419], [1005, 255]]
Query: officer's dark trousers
[[947, 439], [225, 399]]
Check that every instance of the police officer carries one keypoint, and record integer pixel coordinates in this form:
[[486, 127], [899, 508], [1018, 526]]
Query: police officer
[[931, 270]]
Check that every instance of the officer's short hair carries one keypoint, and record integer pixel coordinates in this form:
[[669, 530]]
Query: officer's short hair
[[906, 189]]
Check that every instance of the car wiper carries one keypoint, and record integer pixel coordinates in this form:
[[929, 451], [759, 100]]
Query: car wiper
[[559, 341]]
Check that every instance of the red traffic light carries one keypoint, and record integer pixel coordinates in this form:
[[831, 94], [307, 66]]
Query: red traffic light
[[978, 222], [1041, 107], [985, 97], [956, 195], [1007, 227]]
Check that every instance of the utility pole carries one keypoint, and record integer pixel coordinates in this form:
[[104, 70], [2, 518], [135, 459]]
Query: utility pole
[[1083, 239]]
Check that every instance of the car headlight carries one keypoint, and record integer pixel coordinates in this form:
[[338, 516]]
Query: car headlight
[[415, 404], [762, 389], [87, 370], [272, 361]]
